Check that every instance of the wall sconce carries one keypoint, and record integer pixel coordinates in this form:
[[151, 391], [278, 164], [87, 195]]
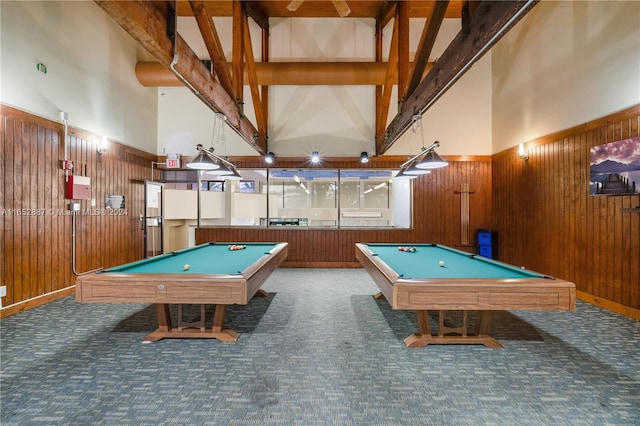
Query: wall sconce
[[315, 157], [269, 158], [522, 152], [102, 147], [364, 157]]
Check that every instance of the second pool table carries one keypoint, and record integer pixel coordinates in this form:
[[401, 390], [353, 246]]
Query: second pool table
[[215, 275], [463, 282]]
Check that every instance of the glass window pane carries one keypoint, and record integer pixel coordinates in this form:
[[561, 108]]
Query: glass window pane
[[376, 195], [350, 194], [323, 195]]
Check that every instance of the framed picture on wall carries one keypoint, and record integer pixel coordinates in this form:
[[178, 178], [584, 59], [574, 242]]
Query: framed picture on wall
[[615, 168]]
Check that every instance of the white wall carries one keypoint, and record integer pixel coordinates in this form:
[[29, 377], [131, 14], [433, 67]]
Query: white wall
[[90, 64], [564, 64]]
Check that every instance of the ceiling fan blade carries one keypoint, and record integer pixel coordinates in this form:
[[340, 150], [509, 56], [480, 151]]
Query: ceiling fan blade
[[342, 7], [294, 5]]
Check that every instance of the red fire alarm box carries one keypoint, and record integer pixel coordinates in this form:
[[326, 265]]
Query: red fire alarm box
[[79, 188]]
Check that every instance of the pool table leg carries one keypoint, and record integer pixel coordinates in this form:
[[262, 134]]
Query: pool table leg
[[165, 330], [424, 336], [218, 326]]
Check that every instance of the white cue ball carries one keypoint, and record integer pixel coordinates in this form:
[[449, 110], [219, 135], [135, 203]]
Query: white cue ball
[[441, 263], [186, 267]]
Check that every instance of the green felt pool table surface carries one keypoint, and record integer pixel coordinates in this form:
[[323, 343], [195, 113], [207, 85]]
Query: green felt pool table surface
[[211, 258], [425, 263]]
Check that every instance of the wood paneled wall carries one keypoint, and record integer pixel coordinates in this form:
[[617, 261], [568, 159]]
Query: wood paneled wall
[[436, 215], [36, 237], [547, 221]]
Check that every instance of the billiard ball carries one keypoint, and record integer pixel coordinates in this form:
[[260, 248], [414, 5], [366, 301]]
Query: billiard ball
[[441, 263], [186, 267]]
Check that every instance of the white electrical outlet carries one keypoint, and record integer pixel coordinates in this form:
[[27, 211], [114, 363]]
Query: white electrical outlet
[[3, 291]]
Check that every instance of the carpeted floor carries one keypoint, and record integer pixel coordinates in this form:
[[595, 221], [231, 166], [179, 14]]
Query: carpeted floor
[[319, 350]]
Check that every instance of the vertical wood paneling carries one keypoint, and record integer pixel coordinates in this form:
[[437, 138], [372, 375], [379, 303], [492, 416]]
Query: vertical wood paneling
[[36, 247], [566, 232]]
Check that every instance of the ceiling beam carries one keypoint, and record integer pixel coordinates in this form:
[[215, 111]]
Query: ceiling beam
[[386, 13], [148, 25], [402, 19], [154, 74], [212, 42], [491, 20], [253, 82], [237, 52], [425, 46], [264, 89], [382, 104], [255, 12]]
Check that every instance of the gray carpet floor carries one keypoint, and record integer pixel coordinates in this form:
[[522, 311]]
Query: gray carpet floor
[[319, 350]]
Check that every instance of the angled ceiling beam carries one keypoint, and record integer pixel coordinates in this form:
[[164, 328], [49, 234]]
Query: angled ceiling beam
[[237, 51], [491, 20], [342, 7], [212, 42], [379, 87], [386, 13], [148, 25], [402, 21], [255, 12], [425, 46], [382, 104], [264, 88], [253, 82]]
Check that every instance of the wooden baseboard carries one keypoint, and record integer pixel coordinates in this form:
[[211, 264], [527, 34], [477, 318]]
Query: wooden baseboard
[[609, 305], [7, 311]]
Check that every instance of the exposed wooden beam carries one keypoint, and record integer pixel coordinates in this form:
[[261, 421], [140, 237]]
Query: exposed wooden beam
[[212, 42], [237, 51], [386, 13], [342, 7], [425, 46], [491, 21], [154, 74], [255, 12], [402, 22], [253, 82], [148, 25], [379, 87], [385, 99], [264, 96]]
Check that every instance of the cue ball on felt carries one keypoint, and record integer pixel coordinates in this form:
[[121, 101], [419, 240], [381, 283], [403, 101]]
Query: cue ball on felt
[[441, 263], [186, 267]]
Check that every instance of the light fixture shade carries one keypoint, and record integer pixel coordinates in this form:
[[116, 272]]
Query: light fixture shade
[[415, 171], [315, 157], [431, 161], [203, 162], [364, 157], [224, 169], [269, 158], [402, 175], [233, 175]]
